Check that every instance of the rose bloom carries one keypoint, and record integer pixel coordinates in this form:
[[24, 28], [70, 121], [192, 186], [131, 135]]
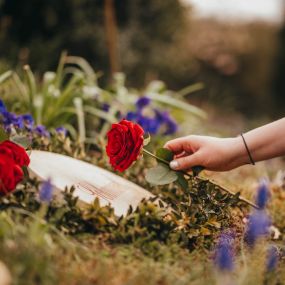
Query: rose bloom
[[16, 152], [125, 141], [10, 174]]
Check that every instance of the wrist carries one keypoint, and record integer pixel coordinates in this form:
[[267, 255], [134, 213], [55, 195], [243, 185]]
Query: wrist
[[239, 153]]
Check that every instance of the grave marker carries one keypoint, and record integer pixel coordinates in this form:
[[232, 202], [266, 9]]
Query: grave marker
[[90, 181]]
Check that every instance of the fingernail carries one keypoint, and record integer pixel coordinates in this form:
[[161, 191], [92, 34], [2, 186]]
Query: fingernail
[[173, 164]]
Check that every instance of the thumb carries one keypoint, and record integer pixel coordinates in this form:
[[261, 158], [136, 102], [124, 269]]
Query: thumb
[[185, 162]]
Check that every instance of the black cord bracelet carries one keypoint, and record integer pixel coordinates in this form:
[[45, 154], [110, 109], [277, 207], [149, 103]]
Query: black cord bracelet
[[247, 149]]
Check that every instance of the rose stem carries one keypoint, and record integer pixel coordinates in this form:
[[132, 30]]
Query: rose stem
[[202, 179]]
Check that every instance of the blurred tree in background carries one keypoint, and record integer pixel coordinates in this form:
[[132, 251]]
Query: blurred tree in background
[[36, 32], [279, 75], [151, 39]]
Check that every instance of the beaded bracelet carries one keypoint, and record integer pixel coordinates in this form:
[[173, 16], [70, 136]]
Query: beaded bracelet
[[247, 149]]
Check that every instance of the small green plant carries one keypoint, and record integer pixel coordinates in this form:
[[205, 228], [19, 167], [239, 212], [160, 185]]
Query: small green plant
[[71, 97]]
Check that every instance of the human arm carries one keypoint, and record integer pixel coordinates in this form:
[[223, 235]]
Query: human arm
[[222, 154]]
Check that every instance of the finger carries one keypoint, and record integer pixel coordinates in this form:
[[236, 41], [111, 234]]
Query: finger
[[185, 162], [181, 154], [178, 145]]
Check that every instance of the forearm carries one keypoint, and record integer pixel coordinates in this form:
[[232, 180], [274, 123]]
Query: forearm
[[222, 154], [265, 142]]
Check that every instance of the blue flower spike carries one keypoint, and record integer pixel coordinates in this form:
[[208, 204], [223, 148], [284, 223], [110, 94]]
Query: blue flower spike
[[161, 121], [258, 226], [262, 194], [224, 255], [2, 107], [46, 191], [42, 131], [28, 119], [143, 102], [11, 120], [62, 131]]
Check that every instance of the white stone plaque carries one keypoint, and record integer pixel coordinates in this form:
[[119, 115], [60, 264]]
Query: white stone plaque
[[90, 181]]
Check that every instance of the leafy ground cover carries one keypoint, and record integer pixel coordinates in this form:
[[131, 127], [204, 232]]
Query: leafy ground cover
[[202, 237]]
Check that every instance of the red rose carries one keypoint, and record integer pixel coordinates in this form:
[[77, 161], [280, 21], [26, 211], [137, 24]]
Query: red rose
[[10, 174], [16, 152], [125, 141]]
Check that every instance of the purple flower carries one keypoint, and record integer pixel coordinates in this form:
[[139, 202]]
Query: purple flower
[[171, 127], [61, 131], [142, 102], [150, 125], [161, 116], [161, 121], [2, 107], [131, 116], [262, 194], [258, 226], [224, 255], [28, 119], [105, 107], [42, 131], [169, 123], [272, 258], [12, 120], [46, 191]]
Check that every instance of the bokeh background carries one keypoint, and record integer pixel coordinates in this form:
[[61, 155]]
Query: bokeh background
[[236, 48]]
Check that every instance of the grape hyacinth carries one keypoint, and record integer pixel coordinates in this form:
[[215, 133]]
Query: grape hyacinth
[[262, 194], [142, 102], [61, 131], [158, 122], [105, 107], [11, 120], [258, 226], [2, 107], [46, 191], [41, 131], [28, 121], [164, 118], [258, 222], [224, 255]]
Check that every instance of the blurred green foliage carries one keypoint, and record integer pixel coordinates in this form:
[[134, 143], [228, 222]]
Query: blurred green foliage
[[72, 92], [62, 243], [159, 39]]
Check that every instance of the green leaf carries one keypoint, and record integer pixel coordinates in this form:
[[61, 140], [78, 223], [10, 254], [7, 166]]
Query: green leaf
[[165, 154], [100, 114], [23, 141], [179, 104], [190, 89], [161, 175], [5, 75], [3, 135], [182, 181]]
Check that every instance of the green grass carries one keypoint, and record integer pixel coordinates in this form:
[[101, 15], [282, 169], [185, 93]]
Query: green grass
[[63, 244]]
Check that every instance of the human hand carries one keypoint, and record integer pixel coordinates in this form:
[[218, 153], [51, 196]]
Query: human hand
[[217, 154]]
